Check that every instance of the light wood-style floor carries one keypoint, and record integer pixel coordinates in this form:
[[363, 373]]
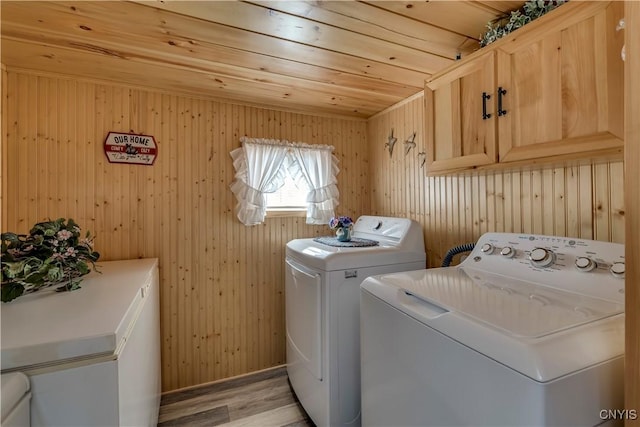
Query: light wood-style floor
[[264, 399]]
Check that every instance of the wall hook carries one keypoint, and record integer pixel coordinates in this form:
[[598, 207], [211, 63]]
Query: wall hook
[[422, 155], [409, 143], [391, 142]]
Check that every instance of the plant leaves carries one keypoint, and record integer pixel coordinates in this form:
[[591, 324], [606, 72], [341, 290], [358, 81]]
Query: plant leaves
[[14, 268], [11, 237], [35, 278], [11, 291], [82, 267], [531, 10], [55, 274], [50, 255]]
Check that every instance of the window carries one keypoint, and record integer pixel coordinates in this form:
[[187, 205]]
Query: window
[[281, 175], [288, 198]]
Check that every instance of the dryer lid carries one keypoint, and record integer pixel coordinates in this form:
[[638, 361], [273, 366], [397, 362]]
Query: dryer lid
[[400, 241], [331, 258]]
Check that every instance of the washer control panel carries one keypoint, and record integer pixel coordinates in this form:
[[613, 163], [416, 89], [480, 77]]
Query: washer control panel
[[587, 266]]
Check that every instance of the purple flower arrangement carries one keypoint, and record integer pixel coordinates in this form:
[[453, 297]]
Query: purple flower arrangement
[[52, 254], [340, 222]]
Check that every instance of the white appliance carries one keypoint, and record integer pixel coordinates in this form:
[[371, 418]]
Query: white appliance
[[92, 355], [15, 398], [322, 312], [526, 331]]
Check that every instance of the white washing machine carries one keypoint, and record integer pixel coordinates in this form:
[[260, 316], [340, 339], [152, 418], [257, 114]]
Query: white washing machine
[[527, 331], [322, 311]]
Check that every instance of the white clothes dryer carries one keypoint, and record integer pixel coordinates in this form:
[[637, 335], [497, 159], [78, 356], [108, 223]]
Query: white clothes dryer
[[526, 331], [322, 311]]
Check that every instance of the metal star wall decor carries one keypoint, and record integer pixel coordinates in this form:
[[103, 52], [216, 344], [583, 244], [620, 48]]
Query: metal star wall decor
[[391, 142], [409, 143]]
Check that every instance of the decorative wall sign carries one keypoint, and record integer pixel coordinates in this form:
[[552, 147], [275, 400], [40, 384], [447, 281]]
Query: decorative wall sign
[[130, 148]]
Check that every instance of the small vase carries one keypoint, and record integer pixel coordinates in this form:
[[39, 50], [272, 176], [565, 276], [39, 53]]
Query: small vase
[[343, 234]]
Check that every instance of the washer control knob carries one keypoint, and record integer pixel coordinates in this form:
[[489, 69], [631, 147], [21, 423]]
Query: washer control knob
[[585, 264], [617, 269], [487, 248], [541, 257], [508, 252]]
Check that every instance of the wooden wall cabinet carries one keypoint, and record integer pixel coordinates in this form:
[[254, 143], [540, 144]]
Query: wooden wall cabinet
[[459, 135], [559, 83]]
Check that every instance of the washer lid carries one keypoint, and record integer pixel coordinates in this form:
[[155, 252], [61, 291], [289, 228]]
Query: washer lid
[[47, 328], [518, 308], [539, 331]]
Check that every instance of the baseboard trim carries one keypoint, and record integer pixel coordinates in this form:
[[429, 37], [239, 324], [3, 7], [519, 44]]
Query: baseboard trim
[[231, 382]]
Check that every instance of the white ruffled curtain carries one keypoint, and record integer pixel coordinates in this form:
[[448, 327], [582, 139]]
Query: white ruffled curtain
[[261, 165], [259, 170], [318, 168]]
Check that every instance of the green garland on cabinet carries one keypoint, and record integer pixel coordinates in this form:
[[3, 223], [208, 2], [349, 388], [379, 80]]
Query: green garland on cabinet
[[532, 9]]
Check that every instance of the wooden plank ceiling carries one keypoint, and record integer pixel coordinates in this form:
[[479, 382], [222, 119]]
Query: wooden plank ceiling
[[352, 58]]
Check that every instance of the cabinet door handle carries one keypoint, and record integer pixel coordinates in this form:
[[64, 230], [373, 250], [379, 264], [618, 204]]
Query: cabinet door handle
[[501, 92], [485, 115]]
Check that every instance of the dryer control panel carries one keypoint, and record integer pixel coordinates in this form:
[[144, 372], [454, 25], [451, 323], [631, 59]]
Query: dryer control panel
[[392, 228], [584, 266], [390, 231]]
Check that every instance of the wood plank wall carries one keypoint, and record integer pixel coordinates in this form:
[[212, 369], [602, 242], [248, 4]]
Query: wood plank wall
[[581, 201], [632, 165], [3, 144], [222, 283]]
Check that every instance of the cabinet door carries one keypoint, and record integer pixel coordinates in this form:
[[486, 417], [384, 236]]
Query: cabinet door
[[458, 136], [564, 90]]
